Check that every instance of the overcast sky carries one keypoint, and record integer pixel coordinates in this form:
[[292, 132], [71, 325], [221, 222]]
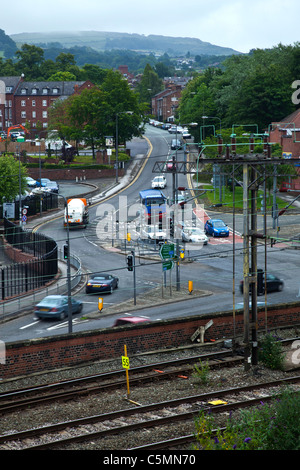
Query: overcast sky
[[239, 24]]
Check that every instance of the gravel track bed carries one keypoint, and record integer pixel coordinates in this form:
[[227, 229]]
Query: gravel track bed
[[155, 392]]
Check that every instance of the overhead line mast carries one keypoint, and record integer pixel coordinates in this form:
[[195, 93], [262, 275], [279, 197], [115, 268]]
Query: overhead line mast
[[254, 173]]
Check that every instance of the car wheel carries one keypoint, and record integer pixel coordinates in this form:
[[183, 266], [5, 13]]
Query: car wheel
[[80, 308], [280, 287], [62, 315], [111, 290]]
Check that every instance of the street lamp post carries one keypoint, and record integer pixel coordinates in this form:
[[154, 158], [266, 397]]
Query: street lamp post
[[68, 264], [117, 141]]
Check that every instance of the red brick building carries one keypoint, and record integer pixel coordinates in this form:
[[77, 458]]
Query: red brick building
[[287, 134], [165, 103], [29, 102]]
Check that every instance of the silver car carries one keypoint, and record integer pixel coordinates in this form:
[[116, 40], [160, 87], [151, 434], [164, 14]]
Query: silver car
[[194, 235]]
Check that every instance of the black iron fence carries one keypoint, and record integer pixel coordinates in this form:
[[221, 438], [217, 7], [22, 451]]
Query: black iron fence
[[19, 278], [34, 204]]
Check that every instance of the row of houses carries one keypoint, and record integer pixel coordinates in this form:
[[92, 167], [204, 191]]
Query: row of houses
[[23, 102]]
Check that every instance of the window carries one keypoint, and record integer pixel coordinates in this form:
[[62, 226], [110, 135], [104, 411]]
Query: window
[[34, 91], [9, 89], [23, 103], [23, 114], [45, 91], [33, 102], [44, 103], [45, 114], [45, 124], [55, 91], [23, 91], [34, 114]]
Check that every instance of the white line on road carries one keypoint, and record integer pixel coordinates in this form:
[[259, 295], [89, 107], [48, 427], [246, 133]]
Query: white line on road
[[30, 324]]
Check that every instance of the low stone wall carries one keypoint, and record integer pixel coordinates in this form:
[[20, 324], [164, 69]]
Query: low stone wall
[[71, 174], [42, 354]]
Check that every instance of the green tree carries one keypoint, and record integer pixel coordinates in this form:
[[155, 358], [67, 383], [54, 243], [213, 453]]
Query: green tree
[[122, 101], [62, 77], [88, 114], [30, 60], [149, 85], [9, 181]]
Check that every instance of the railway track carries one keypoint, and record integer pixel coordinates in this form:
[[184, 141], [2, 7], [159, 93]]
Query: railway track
[[65, 390], [138, 417]]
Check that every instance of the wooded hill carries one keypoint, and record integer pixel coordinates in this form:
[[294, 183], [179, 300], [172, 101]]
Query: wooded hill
[[103, 41]]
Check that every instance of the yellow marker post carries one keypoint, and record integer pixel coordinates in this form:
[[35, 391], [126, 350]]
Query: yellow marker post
[[100, 303], [128, 237], [190, 287], [125, 364]]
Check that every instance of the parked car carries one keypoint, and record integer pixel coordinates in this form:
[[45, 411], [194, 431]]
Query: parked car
[[43, 182], [52, 186], [130, 321], [31, 182], [25, 195], [185, 134], [56, 306], [175, 129], [159, 182], [101, 282], [194, 235], [273, 283], [16, 135], [216, 228], [175, 144]]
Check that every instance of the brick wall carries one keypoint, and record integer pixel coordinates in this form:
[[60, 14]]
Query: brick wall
[[42, 354]]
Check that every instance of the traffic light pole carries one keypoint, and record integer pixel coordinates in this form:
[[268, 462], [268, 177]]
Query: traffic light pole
[[131, 267]]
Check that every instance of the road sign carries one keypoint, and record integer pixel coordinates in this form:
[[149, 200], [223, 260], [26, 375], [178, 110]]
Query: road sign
[[167, 265], [167, 251]]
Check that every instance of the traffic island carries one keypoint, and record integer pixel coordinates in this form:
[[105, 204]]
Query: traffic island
[[153, 298]]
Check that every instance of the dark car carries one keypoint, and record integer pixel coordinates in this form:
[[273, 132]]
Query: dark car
[[100, 282], [52, 186], [216, 228], [56, 306], [273, 283], [175, 144]]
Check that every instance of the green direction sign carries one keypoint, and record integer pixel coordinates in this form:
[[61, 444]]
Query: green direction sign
[[167, 265], [167, 251]]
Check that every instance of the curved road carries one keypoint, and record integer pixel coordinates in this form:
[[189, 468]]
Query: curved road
[[211, 269]]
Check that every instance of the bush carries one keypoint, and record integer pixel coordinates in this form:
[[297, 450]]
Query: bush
[[273, 426], [270, 353]]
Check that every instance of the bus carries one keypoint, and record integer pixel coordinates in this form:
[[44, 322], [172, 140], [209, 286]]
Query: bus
[[154, 203]]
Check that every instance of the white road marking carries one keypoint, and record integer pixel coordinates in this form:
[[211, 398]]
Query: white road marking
[[30, 324]]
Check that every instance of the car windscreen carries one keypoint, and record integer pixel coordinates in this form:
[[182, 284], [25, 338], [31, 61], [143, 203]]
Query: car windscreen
[[219, 223]]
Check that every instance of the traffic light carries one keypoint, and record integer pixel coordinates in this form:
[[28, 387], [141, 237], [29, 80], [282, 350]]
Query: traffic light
[[66, 251], [130, 263]]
